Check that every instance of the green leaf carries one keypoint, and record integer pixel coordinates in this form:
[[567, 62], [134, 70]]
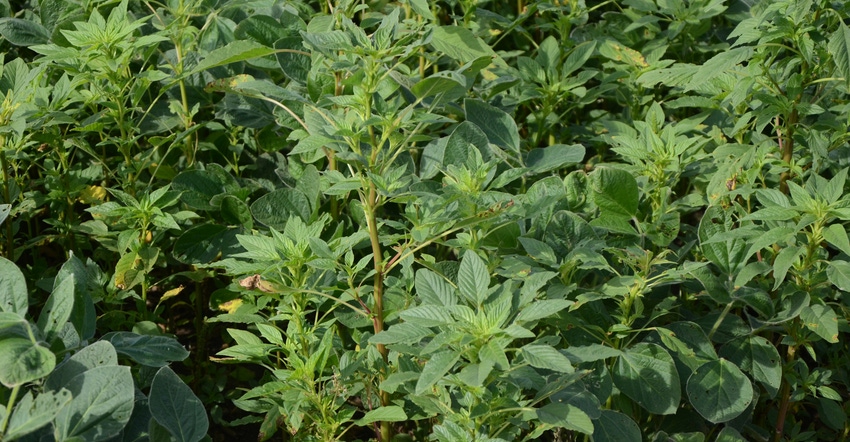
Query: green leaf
[[613, 426], [542, 309], [86, 284], [497, 124], [546, 357], [98, 354], [22, 32], [22, 361], [434, 370], [391, 413], [473, 279], [822, 320], [729, 434], [204, 243], [428, 315], [461, 144], [554, 157], [175, 407], [404, 333], [261, 28], [647, 374], [5, 210], [836, 234], [784, 260], [590, 353], [728, 255], [153, 351], [236, 51], [102, 404], [565, 416], [839, 48], [275, 208], [13, 289], [459, 43], [294, 65], [30, 413], [757, 356], [719, 391], [838, 273], [614, 191], [57, 309]]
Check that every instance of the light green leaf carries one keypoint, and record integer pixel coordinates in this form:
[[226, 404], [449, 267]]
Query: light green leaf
[[546, 357], [459, 43], [839, 48], [102, 404], [22, 32], [428, 315], [473, 279], [33, 413], [433, 289], [542, 309], [836, 234], [57, 309], [785, 259], [153, 351], [565, 416], [434, 370], [404, 333], [13, 289], [728, 255], [175, 407], [719, 391], [22, 361], [554, 157], [838, 273], [392, 413], [613, 426], [822, 320], [614, 191], [236, 51], [647, 374], [590, 353]]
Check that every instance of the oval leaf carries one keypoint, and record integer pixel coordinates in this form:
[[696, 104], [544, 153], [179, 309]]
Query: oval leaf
[[719, 391], [175, 407]]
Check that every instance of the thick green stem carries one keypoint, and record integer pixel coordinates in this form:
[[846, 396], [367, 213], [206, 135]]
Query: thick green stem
[[9, 409]]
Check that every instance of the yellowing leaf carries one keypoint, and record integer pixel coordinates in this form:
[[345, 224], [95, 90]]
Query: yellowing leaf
[[230, 306], [93, 195], [171, 293]]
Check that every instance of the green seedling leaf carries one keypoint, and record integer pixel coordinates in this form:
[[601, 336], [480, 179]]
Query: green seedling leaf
[[546, 357], [498, 125], [22, 32], [434, 370], [57, 309], [153, 351], [822, 320], [392, 413], [554, 157], [240, 50], [615, 191], [459, 43], [33, 413], [13, 289], [758, 357], [613, 426], [719, 391], [565, 416], [102, 404], [175, 407], [22, 361], [647, 374]]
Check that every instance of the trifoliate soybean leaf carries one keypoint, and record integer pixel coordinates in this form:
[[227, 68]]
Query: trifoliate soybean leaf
[[614, 191], [565, 416], [590, 353], [22, 361], [434, 370], [98, 354], [391, 413], [729, 434], [822, 320], [554, 157], [498, 125], [647, 374], [13, 289], [153, 351], [613, 426], [204, 243], [719, 391], [87, 284], [30, 413], [101, 406], [175, 407], [57, 309], [758, 357], [274, 209]]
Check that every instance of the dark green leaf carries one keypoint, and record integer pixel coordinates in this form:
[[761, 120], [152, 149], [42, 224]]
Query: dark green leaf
[[822, 320], [391, 413], [22, 32], [153, 351], [175, 407], [614, 191], [499, 127], [554, 157], [13, 289], [613, 426], [434, 370], [459, 43], [719, 391], [102, 404], [647, 374]]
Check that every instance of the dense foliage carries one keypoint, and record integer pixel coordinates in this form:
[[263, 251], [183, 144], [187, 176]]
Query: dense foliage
[[451, 221]]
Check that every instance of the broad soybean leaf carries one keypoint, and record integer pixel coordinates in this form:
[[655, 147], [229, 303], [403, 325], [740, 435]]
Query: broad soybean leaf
[[729, 434], [57, 309], [614, 191], [822, 320], [392, 413], [565, 416], [719, 391], [546, 357], [13, 289], [460, 146], [613, 426], [498, 125], [239, 50], [204, 243], [33, 413], [839, 48], [22, 32], [434, 370], [275, 208], [459, 43], [757, 356], [98, 354], [86, 283], [153, 351], [838, 273], [175, 407], [554, 157], [102, 404], [22, 361], [473, 279], [647, 374]]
